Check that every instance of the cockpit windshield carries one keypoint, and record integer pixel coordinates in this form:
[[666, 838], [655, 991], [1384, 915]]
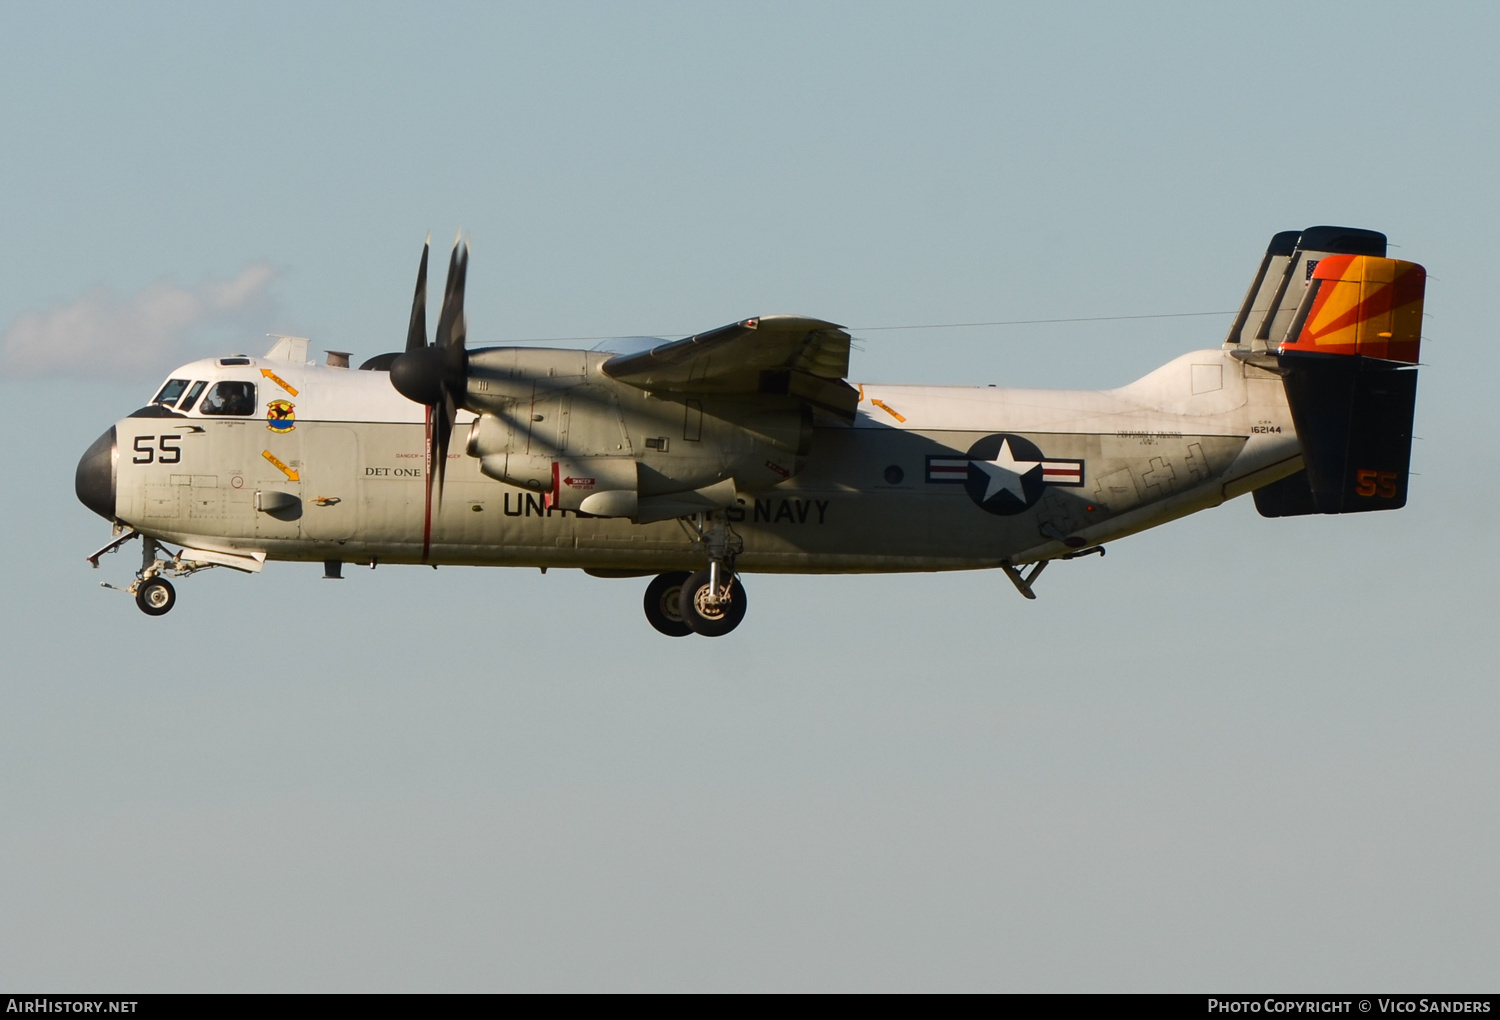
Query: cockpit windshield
[[193, 395], [230, 398], [170, 392]]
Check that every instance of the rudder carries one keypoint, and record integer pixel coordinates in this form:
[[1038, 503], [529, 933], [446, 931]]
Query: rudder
[[1347, 362]]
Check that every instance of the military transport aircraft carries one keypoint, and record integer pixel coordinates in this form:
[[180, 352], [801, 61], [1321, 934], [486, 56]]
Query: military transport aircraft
[[744, 449]]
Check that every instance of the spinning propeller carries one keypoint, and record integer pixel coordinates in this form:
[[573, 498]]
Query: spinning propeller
[[436, 374]]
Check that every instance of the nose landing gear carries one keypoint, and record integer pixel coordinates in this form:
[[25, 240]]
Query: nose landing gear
[[154, 594], [156, 597]]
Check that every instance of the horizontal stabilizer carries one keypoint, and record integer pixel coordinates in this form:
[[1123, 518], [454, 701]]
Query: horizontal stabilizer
[[1290, 497]]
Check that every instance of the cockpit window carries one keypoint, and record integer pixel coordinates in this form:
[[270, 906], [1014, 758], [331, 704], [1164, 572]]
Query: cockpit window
[[170, 392], [230, 398], [193, 395]]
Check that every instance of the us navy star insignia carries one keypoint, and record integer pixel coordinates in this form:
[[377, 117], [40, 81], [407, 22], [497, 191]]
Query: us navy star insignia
[[1005, 474]]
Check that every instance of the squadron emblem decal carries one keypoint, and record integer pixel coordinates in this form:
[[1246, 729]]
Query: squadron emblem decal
[[1005, 474], [281, 416]]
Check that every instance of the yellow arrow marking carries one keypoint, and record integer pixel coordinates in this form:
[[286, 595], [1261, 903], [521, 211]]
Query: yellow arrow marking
[[888, 409], [291, 475], [279, 381]]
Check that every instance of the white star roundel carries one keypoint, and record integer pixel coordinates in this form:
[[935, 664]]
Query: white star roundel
[[1004, 473]]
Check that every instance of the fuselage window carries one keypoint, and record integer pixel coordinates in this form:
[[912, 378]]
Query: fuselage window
[[230, 398], [170, 392], [193, 395]]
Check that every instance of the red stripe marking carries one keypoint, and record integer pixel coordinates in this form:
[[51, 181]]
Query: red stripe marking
[[427, 513]]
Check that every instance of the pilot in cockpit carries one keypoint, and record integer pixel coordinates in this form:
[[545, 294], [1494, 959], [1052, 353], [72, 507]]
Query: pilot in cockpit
[[230, 398]]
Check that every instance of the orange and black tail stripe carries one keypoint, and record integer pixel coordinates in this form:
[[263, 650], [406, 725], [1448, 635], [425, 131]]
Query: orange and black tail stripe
[[1361, 304]]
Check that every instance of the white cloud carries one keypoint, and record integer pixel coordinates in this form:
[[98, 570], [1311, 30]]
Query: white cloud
[[142, 335]]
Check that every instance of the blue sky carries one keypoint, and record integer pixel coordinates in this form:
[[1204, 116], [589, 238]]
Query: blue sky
[[1236, 753]]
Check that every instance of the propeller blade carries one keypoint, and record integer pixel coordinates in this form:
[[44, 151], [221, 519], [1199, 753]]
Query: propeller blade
[[452, 331], [437, 375], [416, 332], [425, 373], [443, 416], [440, 419]]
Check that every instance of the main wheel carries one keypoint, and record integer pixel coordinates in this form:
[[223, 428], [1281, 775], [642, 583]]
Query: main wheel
[[712, 618], [663, 606], [156, 596]]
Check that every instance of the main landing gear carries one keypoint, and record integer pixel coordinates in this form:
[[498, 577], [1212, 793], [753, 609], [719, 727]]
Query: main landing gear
[[710, 601], [680, 603]]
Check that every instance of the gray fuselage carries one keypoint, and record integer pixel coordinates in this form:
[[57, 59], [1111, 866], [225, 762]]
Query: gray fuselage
[[902, 488]]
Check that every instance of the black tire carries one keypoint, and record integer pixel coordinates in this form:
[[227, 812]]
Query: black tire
[[712, 620], [156, 597], [662, 606]]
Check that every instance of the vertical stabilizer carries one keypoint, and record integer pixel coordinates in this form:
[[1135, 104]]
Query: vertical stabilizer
[[1285, 273], [1263, 288], [1347, 360]]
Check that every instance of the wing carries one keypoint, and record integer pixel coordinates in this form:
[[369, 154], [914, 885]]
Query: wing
[[775, 354]]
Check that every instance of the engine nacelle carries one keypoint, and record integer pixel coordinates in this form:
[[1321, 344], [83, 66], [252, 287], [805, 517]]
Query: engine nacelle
[[503, 458], [518, 469]]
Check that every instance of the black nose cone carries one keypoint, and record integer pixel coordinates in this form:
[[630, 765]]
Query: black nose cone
[[95, 480]]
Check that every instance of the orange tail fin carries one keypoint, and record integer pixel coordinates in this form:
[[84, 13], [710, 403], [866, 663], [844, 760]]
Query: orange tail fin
[[1361, 304]]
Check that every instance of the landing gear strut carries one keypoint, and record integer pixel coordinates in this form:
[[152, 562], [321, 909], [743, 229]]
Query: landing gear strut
[[711, 601], [153, 593]]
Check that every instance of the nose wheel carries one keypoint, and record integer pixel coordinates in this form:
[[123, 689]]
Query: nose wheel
[[156, 597]]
